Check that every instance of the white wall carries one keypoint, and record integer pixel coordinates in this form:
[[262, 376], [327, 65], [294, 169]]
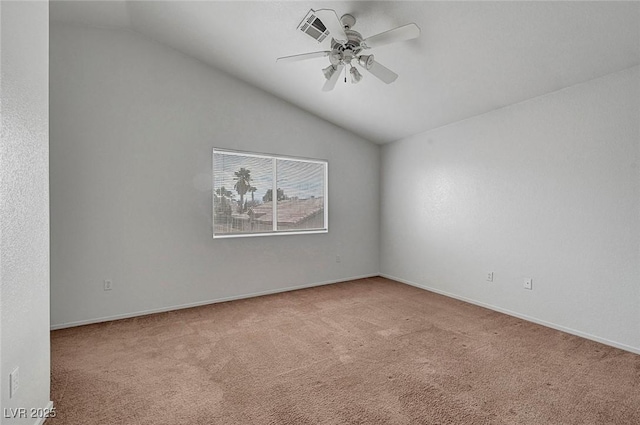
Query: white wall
[[547, 189], [133, 124], [24, 206]]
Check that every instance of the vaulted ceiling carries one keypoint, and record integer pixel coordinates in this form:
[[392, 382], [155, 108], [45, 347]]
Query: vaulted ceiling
[[471, 58]]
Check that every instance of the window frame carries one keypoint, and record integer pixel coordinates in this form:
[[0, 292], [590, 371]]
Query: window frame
[[274, 192]]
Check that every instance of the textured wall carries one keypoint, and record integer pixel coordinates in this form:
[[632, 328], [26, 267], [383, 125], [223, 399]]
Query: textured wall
[[24, 205], [133, 124], [547, 189]]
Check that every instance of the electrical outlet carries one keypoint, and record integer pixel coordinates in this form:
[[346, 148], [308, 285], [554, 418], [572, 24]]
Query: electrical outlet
[[14, 382], [528, 284], [108, 284], [338, 259], [490, 277]]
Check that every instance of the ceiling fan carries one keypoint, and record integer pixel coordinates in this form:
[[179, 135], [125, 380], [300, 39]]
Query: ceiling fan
[[347, 46]]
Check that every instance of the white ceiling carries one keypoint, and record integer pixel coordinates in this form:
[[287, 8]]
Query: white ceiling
[[471, 58]]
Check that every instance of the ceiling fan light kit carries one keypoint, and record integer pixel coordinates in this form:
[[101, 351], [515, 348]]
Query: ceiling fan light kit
[[329, 71], [355, 75], [347, 45]]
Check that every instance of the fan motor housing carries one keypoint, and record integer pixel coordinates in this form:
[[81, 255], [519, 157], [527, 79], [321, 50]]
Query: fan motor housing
[[353, 42]]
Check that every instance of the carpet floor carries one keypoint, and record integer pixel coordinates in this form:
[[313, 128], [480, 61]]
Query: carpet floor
[[370, 351]]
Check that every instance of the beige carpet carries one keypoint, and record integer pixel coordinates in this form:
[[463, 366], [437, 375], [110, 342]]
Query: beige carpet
[[370, 351]]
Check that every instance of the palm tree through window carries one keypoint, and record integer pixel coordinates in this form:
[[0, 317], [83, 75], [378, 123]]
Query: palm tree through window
[[243, 188]]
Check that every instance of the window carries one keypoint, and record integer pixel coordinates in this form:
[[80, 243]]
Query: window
[[244, 203]]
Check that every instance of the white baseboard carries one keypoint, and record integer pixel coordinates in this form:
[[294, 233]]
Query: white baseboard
[[201, 303], [40, 421], [605, 341]]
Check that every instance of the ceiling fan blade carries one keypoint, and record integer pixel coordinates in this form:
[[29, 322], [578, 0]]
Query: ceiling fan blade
[[403, 33], [383, 73], [331, 20], [303, 56], [331, 82]]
